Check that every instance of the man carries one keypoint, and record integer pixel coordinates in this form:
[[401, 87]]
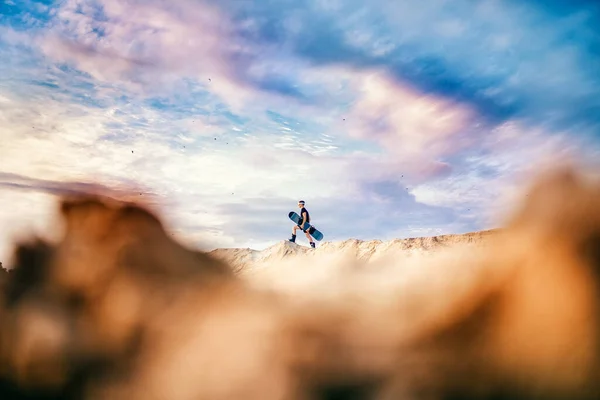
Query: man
[[305, 217]]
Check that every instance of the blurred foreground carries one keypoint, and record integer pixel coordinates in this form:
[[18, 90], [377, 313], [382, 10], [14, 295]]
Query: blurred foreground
[[118, 310]]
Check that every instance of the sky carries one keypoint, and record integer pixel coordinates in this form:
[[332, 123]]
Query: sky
[[391, 119]]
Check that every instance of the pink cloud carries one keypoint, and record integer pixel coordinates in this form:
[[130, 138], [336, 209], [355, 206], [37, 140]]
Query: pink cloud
[[151, 44], [416, 130], [407, 122]]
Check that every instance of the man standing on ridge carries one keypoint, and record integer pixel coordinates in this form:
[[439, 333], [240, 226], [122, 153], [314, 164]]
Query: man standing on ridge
[[305, 217]]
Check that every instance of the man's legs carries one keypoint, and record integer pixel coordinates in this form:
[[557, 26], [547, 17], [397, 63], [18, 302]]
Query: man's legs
[[293, 239], [310, 239]]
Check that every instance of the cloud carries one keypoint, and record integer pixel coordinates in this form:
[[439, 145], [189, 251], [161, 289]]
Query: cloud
[[252, 54], [412, 126], [505, 59], [410, 118], [150, 46], [45, 145], [138, 43], [489, 178], [16, 181], [212, 194]]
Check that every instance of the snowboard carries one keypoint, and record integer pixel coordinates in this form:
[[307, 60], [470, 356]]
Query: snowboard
[[314, 232]]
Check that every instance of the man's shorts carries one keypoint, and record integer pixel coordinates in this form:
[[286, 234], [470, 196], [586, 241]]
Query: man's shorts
[[301, 228], [309, 230]]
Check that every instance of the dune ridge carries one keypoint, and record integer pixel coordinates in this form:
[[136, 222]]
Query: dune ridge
[[362, 250]]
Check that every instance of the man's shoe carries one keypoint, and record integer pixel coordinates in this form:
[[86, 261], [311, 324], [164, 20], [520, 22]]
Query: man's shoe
[[312, 244]]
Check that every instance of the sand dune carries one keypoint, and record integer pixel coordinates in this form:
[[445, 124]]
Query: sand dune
[[362, 250]]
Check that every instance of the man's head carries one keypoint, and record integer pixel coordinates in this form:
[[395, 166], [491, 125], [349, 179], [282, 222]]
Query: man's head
[[301, 204]]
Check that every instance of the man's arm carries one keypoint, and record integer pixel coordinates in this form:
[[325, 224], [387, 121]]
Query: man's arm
[[303, 219]]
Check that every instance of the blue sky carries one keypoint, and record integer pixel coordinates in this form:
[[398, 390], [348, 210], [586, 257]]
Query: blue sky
[[390, 118]]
